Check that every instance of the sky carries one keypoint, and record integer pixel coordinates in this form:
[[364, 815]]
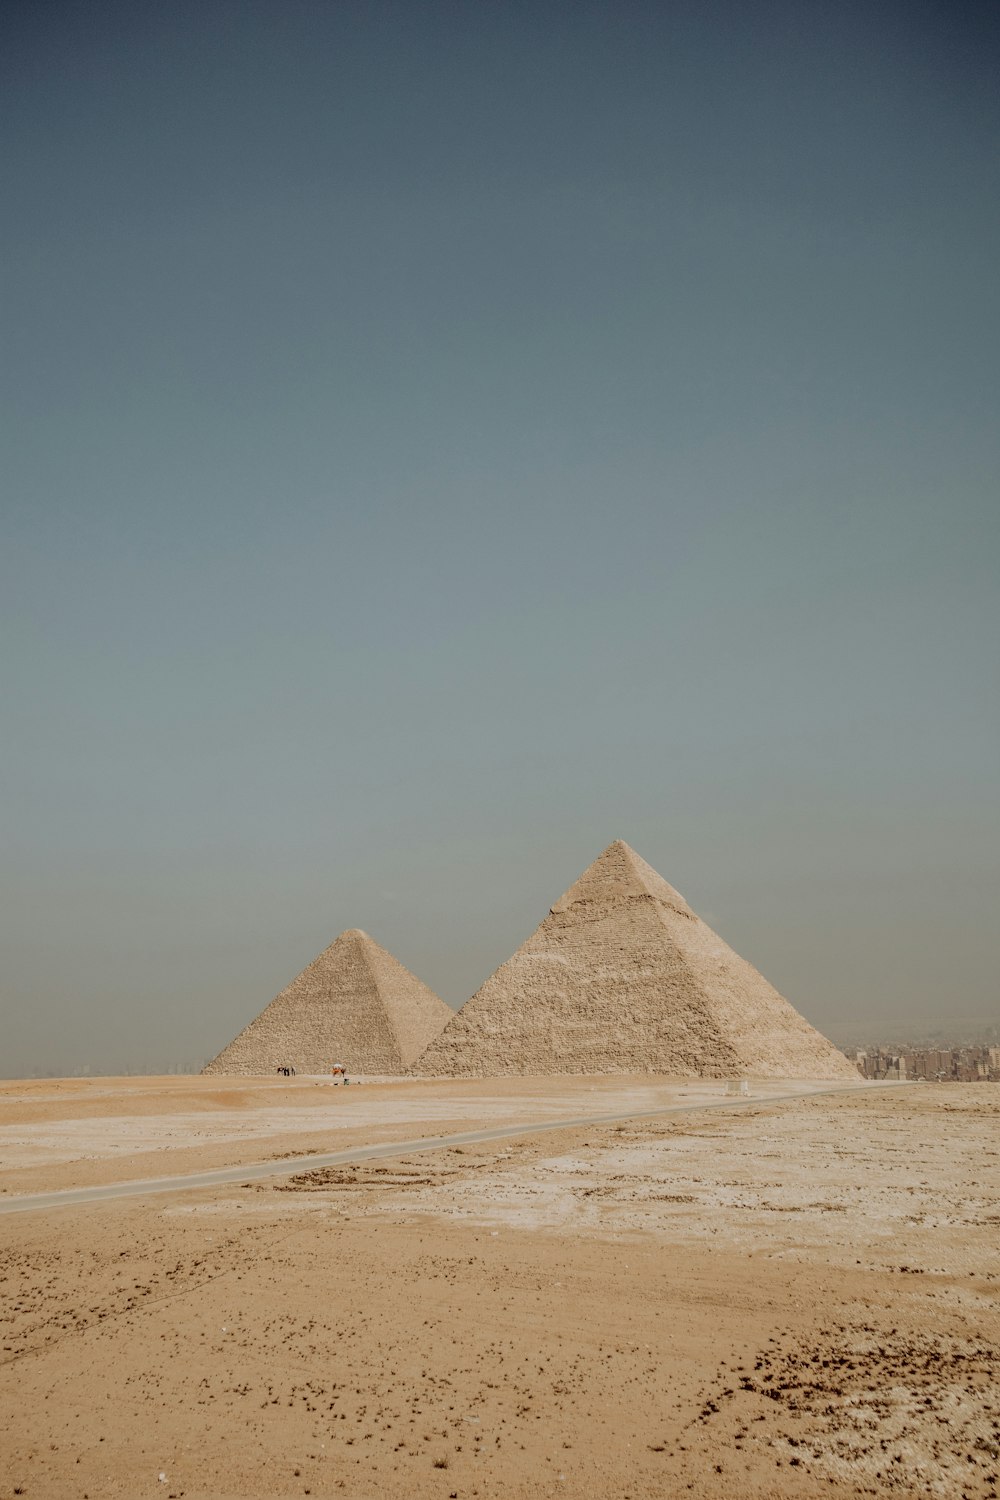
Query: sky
[[440, 439]]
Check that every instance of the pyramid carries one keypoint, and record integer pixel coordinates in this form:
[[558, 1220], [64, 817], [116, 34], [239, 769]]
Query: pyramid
[[623, 977], [355, 1004]]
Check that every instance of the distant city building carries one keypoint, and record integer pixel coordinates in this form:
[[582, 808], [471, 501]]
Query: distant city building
[[935, 1064]]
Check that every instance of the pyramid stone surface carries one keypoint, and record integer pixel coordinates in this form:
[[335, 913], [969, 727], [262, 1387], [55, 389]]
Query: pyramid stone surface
[[623, 977], [355, 1004]]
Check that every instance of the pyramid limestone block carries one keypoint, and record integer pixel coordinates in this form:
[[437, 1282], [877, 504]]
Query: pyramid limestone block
[[355, 1004], [623, 977]]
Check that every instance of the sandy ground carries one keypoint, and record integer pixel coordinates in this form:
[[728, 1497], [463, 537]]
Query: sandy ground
[[57, 1133], [793, 1299]]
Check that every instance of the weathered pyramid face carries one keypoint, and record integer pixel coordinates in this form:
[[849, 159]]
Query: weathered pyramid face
[[623, 977], [354, 1004]]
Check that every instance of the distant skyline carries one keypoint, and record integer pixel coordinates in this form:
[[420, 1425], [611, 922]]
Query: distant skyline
[[440, 440]]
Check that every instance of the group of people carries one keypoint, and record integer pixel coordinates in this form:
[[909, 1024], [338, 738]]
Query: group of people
[[338, 1073]]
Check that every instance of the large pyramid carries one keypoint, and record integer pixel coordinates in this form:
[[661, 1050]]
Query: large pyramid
[[355, 1005], [623, 977]]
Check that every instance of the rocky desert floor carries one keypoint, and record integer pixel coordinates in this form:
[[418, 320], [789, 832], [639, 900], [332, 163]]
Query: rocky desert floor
[[781, 1297]]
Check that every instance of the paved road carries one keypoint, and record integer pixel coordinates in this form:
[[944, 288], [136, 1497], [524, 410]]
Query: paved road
[[221, 1176]]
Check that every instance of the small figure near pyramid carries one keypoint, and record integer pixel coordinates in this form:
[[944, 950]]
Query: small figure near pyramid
[[623, 977], [355, 1005]]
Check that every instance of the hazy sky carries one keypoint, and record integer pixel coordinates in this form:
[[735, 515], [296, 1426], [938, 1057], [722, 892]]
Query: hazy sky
[[442, 438]]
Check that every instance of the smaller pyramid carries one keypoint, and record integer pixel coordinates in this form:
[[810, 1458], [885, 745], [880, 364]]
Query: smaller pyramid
[[355, 1004]]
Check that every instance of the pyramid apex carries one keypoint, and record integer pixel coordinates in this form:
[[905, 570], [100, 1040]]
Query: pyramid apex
[[355, 937], [619, 849], [620, 874], [619, 846]]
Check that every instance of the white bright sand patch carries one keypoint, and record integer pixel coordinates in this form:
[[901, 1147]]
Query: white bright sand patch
[[780, 1182], [49, 1142]]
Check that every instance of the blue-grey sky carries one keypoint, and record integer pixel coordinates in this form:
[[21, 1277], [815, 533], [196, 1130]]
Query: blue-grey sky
[[442, 438]]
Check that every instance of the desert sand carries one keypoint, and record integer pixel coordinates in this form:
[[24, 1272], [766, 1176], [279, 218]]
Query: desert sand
[[783, 1298]]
